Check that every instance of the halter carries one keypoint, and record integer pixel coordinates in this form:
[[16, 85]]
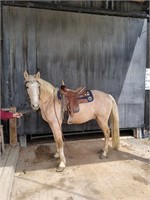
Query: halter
[[31, 82], [33, 88]]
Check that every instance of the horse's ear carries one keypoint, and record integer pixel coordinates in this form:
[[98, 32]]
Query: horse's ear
[[38, 75], [25, 74]]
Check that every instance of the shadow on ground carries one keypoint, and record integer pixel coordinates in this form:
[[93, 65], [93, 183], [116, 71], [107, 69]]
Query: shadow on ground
[[39, 157]]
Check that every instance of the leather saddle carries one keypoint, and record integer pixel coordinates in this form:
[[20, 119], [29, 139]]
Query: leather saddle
[[72, 98]]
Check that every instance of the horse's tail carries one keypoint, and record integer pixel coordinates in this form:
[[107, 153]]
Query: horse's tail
[[114, 119]]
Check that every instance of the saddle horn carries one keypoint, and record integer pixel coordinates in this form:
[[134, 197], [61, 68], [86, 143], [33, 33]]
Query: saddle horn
[[63, 83]]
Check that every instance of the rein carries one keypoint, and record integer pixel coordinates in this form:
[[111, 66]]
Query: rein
[[25, 112], [28, 111], [58, 120]]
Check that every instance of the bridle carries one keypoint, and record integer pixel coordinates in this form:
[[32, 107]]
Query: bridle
[[29, 83], [32, 82]]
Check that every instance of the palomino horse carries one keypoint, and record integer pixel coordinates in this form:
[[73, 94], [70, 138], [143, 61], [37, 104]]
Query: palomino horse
[[44, 96]]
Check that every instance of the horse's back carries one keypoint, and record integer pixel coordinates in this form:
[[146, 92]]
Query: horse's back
[[101, 97], [100, 106]]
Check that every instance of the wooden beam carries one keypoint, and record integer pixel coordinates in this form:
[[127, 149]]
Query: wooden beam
[[2, 145], [61, 7], [138, 1], [13, 129]]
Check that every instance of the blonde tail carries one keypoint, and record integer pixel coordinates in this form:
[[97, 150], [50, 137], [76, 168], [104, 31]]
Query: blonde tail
[[114, 119]]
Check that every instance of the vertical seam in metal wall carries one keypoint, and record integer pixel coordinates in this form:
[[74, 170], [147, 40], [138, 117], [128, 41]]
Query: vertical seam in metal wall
[[147, 92], [1, 49], [149, 67]]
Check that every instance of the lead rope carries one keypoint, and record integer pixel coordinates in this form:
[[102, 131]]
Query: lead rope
[[19, 119], [58, 120], [19, 123]]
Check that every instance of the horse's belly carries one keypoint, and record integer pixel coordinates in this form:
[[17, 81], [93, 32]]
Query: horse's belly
[[81, 117]]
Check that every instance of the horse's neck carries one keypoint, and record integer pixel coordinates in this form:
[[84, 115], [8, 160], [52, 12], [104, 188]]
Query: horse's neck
[[46, 91]]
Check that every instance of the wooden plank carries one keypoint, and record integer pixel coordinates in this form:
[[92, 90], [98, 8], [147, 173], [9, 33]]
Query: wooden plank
[[7, 176], [13, 129], [2, 139], [3, 158]]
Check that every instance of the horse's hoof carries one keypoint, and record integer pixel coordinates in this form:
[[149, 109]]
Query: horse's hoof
[[60, 169], [103, 156], [100, 151]]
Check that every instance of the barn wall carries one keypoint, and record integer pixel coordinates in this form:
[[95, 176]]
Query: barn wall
[[99, 52], [0, 53]]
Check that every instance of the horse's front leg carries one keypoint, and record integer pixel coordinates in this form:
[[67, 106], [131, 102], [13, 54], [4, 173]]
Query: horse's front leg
[[57, 133], [62, 158], [57, 154]]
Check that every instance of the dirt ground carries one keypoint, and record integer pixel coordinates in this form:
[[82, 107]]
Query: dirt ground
[[124, 175]]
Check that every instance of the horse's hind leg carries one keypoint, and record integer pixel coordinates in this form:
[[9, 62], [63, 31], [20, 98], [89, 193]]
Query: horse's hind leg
[[104, 126]]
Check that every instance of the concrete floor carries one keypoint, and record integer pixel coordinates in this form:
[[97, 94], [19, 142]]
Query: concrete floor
[[125, 175]]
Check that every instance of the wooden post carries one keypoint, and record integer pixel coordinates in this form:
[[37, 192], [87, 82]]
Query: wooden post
[[13, 129], [2, 145], [137, 133]]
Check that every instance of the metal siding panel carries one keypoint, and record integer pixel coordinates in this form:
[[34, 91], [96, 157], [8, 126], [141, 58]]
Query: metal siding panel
[[99, 52]]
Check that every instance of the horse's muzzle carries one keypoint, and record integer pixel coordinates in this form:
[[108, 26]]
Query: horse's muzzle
[[35, 107]]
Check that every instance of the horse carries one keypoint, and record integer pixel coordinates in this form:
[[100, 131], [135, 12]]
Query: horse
[[103, 109]]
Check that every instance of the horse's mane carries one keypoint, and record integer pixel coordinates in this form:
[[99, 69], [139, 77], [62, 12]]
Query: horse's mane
[[46, 84], [46, 87]]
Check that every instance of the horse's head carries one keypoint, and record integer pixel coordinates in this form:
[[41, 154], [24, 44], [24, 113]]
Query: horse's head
[[33, 89]]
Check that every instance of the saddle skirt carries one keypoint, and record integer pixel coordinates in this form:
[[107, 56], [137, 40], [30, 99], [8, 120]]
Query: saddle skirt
[[72, 98]]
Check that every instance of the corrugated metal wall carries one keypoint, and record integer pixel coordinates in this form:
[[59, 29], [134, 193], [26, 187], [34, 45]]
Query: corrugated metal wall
[[100, 52]]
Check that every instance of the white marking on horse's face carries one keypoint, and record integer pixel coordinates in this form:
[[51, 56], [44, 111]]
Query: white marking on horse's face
[[33, 90]]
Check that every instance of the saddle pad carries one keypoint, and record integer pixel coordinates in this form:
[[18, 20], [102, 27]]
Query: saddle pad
[[88, 96]]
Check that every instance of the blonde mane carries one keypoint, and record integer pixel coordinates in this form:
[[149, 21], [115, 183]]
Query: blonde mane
[[46, 89]]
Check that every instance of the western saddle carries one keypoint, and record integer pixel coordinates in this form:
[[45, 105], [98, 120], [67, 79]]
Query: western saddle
[[72, 98]]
